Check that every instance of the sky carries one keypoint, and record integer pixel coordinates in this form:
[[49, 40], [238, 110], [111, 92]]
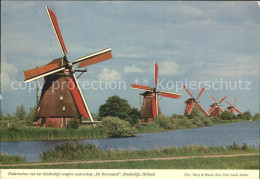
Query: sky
[[197, 43]]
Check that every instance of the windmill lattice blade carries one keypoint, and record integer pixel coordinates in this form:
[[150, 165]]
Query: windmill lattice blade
[[93, 58], [201, 91], [154, 107], [235, 101], [228, 103], [36, 73], [237, 111], [155, 74], [56, 28], [187, 91], [140, 87], [201, 109], [221, 110], [211, 109], [169, 95], [222, 99], [190, 107], [77, 97], [212, 98]]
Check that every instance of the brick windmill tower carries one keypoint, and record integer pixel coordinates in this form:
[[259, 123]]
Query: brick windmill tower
[[232, 108], [215, 108], [61, 97], [191, 102], [150, 107]]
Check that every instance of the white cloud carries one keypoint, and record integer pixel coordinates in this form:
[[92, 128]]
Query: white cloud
[[170, 68], [109, 75], [8, 73], [133, 69]]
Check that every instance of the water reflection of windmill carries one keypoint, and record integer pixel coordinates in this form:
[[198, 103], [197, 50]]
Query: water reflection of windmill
[[191, 102], [150, 107], [232, 108], [61, 97], [215, 108]]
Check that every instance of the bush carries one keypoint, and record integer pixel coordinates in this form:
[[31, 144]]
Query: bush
[[116, 127], [207, 122], [177, 116], [234, 146], [214, 118], [9, 159], [183, 123], [164, 122], [195, 113], [246, 115], [74, 123], [245, 147], [69, 151], [197, 122], [226, 115], [96, 117], [256, 116]]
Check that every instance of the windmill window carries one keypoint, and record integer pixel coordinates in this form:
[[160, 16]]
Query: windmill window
[[61, 97], [39, 108], [63, 108]]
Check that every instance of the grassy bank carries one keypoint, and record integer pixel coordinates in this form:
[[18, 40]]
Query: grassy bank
[[180, 124], [241, 162], [8, 159], [89, 132], [79, 152], [39, 133]]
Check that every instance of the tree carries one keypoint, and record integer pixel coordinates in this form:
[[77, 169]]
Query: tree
[[118, 107], [246, 115], [115, 106], [256, 116], [226, 115], [133, 116], [20, 112], [31, 115]]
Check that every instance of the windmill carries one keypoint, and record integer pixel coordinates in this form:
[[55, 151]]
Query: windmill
[[193, 101], [231, 107], [215, 108], [150, 107], [61, 97]]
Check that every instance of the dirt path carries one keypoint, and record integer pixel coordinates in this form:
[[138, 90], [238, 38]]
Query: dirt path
[[128, 160]]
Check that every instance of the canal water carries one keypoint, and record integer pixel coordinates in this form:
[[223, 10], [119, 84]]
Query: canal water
[[221, 135]]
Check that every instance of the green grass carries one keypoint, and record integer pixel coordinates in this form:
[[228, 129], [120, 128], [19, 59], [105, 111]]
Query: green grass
[[39, 133], [73, 151], [181, 125], [77, 151], [89, 132], [241, 162], [7, 159]]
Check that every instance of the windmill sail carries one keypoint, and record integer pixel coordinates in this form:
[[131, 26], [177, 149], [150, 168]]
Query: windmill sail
[[100, 56], [56, 28], [193, 101], [151, 107], [50, 68], [62, 98]]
